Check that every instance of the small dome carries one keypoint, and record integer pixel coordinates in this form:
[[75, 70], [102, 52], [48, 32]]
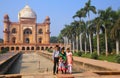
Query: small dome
[[47, 18], [26, 12], [6, 16]]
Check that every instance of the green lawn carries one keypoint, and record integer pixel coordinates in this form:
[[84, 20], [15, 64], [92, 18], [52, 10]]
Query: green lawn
[[110, 58]]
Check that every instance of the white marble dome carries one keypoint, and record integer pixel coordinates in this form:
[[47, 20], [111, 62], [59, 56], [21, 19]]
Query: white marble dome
[[26, 12]]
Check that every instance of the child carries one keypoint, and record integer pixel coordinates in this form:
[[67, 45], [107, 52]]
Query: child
[[69, 60], [61, 66]]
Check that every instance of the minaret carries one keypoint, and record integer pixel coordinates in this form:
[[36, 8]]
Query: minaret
[[6, 28], [47, 22]]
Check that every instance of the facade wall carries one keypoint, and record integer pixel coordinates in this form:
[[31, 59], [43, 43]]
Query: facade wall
[[17, 33]]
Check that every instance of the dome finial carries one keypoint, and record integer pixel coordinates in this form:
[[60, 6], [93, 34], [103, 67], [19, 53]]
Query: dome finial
[[26, 2], [47, 18], [27, 12]]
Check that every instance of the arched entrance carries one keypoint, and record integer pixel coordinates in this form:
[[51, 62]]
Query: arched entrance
[[23, 48], [13, 40], [37, 48], [2, 48], [32, 48], [42, 48], [27, 40], [28, 48], [27, 35], [12, 48], [17, 48]]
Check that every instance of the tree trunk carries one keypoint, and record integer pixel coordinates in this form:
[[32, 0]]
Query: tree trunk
[[117, 46], [67, 40], [90, 44], [76, 43], [70, 45], [64, 41], [81, 42], [73, 46], [85, 48], [98, 43], [106, 45]]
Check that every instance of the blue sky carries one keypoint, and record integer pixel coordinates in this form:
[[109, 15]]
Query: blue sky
[[59, 11]]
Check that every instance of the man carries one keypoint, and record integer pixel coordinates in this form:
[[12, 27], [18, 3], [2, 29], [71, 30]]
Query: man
[[55, 58]]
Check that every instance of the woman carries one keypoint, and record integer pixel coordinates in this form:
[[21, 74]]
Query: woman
[[63, 55], [69, 60]]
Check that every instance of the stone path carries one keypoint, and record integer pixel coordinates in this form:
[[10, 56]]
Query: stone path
[[99, 63], [34, 65], [4, 57]]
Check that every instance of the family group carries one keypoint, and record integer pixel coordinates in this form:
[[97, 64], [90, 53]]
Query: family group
[[62, 60]]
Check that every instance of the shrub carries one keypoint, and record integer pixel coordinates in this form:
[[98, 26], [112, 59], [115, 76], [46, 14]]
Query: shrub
[[117, 58], [49, 50], [94, 55], [79, 53], [5, 50], [75, 54]]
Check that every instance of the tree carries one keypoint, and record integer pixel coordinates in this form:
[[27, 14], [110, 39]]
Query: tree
[[115, 34], [1, 40], [60, 38], [87, 10], [80, 13], [77, 29], [85, 37], [105, 16], [53, 39], [91, 31], [98, 23], [68, 32]]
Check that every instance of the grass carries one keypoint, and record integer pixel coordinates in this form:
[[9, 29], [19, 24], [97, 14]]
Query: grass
[[86, 55], [75, 54], [109, 58]]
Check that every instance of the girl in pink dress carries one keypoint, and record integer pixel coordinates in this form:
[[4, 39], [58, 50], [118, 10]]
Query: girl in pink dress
[[61, 66], [69, 60]]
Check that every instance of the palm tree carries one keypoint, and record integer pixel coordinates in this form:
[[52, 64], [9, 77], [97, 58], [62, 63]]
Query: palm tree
[[80, 13], [60, 38], [82, 24], [68, 32], [85, 36], [76, 26], [98, 23], [87, 10], [91, 31], [115, 33], [105, 16]]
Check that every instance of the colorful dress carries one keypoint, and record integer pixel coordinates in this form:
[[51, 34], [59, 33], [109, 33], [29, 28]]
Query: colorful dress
[[61, 65], [69, 61], [63, 55]]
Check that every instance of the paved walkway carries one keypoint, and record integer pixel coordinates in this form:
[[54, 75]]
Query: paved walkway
[[4, 57], [99, 63], [34, 65]]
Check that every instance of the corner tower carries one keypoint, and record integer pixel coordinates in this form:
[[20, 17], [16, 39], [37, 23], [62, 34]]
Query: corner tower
[[6, 28]]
